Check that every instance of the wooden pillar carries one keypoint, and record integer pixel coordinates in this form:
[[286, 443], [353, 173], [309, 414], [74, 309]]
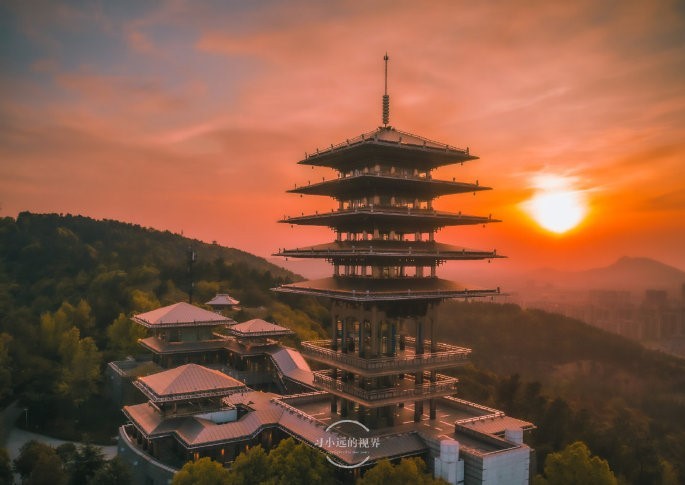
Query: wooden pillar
[[432, 315], [418, 405], [375, 346]]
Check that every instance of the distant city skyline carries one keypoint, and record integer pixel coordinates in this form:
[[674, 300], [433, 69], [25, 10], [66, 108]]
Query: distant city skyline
[[189, 116]]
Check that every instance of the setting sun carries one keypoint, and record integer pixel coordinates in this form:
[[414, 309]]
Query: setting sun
[[556, 205]]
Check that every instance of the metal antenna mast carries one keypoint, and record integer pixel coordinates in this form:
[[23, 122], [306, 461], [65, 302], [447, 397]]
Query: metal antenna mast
[[386, 98]]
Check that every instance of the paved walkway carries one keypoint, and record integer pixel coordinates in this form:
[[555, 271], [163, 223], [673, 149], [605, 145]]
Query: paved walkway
[[17, 437], [13, 438]]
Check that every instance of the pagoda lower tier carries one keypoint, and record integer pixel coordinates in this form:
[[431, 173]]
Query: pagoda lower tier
[[395, 389], [403, 356]]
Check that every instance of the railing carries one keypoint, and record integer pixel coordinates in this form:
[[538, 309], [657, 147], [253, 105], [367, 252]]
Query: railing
[[300, 414], [489, 412], [449, 354], [393, 175], [396, 251], [443, 385], [131, 444], [149, 392], [408, 294], [389, 210]]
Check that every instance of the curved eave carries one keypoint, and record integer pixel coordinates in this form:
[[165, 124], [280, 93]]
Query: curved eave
[[398, 220], [404, 257], [361, 153], [381, 184], [369, 289]]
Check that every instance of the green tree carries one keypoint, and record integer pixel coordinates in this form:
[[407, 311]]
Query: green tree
[[410, 471], [81, 362], [204, 471], [575, 466], [52, 327], [114, 472], [68, 453], [5, 467], [142, 301], [48, 470], [5, 361], [30, 454], [296, 463], [250, 467], [88, 461], [123, 335]]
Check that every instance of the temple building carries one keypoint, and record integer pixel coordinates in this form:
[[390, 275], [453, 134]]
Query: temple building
[[223, 303], [183, 333], [380, 378]]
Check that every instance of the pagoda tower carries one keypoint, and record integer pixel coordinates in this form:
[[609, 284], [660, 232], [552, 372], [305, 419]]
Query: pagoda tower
[[383, 353]]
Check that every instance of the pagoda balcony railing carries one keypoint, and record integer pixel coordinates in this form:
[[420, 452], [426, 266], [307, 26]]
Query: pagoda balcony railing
[[381, 251], [408, 294], [445, 356], [442, 386], [389, 209]]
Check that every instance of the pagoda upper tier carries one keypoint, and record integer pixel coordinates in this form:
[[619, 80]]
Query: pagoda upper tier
[[385, 222], [385, 144]]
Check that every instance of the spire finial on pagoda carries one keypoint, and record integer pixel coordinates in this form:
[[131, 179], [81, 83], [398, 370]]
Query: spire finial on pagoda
[[386, 97]]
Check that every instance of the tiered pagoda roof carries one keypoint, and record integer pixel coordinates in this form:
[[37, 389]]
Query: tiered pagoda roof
[[385, 190], [387, 143], [388, 289]]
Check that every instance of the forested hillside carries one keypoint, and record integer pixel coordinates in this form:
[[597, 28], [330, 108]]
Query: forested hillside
[[575, 382], [68, 285]]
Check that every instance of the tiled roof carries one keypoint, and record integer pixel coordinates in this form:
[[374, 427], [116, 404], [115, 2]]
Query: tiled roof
[[180, 314], [187, 380], [401, 147], [266, 412], [293, 365], [258, 327], [222, 299]]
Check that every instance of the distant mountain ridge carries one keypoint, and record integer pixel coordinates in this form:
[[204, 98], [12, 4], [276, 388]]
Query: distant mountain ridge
[[627, 273]]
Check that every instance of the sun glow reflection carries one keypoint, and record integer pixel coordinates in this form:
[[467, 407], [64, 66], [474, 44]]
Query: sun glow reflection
[[556, 205]]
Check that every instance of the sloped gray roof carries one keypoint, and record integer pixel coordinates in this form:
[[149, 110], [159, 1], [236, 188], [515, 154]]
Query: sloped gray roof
[[180, 314], [258, 327], [222, 299], [187, 380]]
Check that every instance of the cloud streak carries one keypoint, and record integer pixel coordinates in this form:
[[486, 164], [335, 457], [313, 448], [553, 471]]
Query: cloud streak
[[187, 115]]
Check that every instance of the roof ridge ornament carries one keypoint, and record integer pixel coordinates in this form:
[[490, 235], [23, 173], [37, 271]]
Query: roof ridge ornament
[[386, 97]]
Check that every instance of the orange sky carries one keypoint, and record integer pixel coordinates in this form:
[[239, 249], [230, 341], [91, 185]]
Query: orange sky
[[191, 116]]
